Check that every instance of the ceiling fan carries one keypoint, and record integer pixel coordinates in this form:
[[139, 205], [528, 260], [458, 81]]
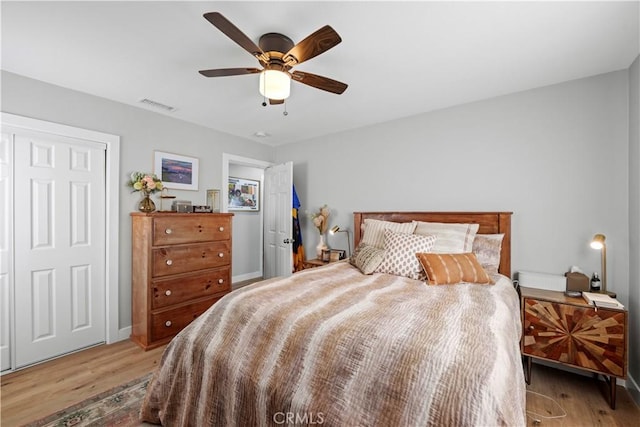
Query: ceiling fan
[[278, 55]]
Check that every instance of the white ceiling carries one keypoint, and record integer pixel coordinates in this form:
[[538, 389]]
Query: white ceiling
[[399, 58]]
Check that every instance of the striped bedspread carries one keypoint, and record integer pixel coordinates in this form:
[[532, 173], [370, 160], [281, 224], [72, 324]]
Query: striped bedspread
[[331, 346]]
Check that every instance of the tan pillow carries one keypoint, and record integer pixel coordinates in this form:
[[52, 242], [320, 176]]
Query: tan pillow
[[367, 258], [452, 238], [374, 230], [487, 249], [447, 269]]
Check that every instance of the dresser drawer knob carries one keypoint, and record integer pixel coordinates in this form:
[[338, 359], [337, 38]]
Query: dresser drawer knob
[[168, 231], [531, 328], [221, 255], [167, 292], [221, 281], [221, 228], [167, 323], [169, 262]]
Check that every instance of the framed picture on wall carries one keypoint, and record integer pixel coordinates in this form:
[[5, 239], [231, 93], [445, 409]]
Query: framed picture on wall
[[244, 194], [176, 171]]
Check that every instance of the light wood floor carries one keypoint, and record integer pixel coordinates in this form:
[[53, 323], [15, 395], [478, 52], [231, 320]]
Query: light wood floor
[[38, 391], [583, 398], [41, 390]]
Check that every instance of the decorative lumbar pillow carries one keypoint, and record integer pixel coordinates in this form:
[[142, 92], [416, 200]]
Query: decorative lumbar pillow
[[374, 230], [400, 254], [367, 258], [452, 238], [487, 249], [447, 269]]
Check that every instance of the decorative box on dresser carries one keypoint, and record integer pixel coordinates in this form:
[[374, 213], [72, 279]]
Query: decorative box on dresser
[[181, 265], [569, 331]]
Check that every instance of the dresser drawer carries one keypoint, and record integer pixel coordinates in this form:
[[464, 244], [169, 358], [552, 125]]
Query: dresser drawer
[[188, 229], [184, 288], [188, 258], [575, 335], [169, 322]]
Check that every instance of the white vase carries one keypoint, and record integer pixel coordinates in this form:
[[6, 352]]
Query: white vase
[[321, 247]]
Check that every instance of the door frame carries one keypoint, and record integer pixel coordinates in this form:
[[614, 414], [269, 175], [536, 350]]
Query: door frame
[[112, 203], [232, 159]]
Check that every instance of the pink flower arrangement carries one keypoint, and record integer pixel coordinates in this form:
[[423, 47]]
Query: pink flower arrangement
[[147, 182]]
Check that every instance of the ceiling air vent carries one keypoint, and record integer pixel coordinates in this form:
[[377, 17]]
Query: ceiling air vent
[[157, 105]]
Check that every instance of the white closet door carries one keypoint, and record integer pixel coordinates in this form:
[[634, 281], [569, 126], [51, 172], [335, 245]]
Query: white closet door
[[59, 235], [6, 263], [278, 184]]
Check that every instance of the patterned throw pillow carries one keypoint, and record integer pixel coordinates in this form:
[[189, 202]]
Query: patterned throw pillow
[[487, 249], [400, 254], [447, 269], [374, 230], [452, 238], [367, 258]]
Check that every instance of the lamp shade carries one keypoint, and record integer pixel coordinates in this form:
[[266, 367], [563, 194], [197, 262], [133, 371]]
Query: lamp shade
[[275, 84], [598, 241], [334, 229]]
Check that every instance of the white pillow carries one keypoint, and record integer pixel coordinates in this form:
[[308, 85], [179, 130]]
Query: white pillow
[[400, 254], [451, 238], [374, 231]]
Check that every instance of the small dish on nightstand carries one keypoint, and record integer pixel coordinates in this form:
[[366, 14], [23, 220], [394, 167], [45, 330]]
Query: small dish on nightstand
[[573, 293]]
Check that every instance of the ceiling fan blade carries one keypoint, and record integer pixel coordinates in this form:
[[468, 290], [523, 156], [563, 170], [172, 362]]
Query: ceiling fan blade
[[315, 44], [276, 101], [319, 82], [222, 72], [231, 31]]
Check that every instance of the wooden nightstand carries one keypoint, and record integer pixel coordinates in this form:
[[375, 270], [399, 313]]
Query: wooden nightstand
[[312, 263], [569, 331]]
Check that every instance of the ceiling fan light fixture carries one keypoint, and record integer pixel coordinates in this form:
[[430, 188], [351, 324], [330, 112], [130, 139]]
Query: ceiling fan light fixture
[[275, 84]]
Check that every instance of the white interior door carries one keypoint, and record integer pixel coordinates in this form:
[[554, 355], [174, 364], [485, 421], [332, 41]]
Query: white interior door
[[278, 183], [6, 263], [59, 187]]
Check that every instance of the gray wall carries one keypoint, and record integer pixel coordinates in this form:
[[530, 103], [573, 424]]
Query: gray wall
[[141, 133], [247, 231], [634, 223], [556, 156], [563, 158]]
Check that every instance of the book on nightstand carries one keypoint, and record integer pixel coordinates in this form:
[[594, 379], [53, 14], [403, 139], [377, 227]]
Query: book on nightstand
[[601, 300]]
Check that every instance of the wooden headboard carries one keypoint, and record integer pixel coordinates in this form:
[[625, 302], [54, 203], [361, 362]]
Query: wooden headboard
[[490, 223]]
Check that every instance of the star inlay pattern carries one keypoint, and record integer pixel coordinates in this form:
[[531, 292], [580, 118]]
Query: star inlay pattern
[[580, 336]]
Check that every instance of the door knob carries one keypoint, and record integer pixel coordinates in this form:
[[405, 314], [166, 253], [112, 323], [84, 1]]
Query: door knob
[[287, 241]]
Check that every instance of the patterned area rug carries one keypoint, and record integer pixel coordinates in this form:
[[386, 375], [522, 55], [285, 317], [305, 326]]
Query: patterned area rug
[[116, 407]]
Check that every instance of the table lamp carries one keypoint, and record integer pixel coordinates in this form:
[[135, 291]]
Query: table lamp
[[337, 229], [598, 243]]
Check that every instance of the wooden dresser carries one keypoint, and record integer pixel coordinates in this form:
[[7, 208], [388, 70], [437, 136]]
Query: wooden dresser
[[181, 265]]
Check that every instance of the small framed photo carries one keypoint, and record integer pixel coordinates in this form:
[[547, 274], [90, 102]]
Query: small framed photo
[[176, 171], [326, 255], [337, 255], [244, 194], [213, 200]]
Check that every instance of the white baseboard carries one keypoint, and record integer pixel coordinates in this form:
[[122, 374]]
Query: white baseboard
[[123, 334], [247, 276], [634, 390]]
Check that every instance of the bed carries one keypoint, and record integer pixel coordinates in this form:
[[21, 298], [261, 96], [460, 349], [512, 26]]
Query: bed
[[337, 347]]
